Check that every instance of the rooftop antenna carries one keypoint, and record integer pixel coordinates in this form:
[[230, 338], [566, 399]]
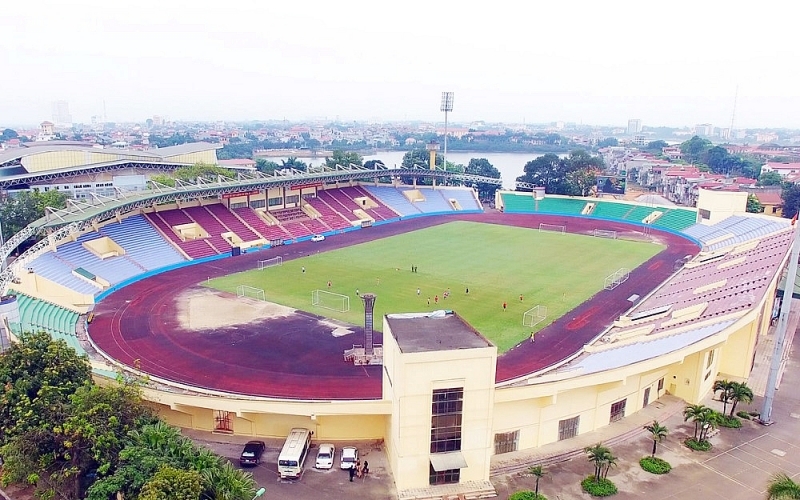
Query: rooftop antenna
[[733, 114]]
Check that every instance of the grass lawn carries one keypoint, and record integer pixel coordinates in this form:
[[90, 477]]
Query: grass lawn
[[497, 264]]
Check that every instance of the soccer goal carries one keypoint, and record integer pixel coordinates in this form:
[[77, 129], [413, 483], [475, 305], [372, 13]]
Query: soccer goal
[[534, 316], [605, 233], [275, 261], [617, 278], [330, 300], [250, 292], [552, 227]]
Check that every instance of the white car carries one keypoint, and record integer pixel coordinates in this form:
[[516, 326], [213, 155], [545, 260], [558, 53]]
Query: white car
[[317, 237], [349, 457], [325, 456]]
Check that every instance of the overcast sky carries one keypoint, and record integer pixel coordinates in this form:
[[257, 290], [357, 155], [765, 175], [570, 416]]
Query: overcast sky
[[671, 63]]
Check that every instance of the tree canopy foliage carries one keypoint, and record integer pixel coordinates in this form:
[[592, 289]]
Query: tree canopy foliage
[[20, 209], [189, 174], [791, 200], [574, 175], [702, 152], [57, 427], [344, 158], [753, 205], [482, 167]]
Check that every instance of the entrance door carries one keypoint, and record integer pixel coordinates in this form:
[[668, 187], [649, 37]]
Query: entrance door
[[646, 397]]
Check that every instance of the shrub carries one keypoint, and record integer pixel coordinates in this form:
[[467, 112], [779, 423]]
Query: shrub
[[602, 488], [729, 422], [655, 465], [743, 414], [696, 445], [526, 495]]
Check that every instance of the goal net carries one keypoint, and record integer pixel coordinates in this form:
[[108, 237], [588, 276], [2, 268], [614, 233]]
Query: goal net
[[617, 278], [552, 227], [604, 233], [330, 300], [275, 261], [534, 316], [250, 292]]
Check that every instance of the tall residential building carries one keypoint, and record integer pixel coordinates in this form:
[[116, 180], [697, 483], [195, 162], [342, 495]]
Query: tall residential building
[[634, 126], [703, 129], [61, 116]]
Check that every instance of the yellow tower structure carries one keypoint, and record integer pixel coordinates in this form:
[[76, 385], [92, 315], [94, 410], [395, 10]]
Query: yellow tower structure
[[433, 147]]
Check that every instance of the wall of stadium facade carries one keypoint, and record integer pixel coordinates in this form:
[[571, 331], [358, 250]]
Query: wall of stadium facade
[[71, 158]]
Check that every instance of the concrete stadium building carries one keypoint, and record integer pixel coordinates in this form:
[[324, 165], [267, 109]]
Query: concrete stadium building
[[446, 405]]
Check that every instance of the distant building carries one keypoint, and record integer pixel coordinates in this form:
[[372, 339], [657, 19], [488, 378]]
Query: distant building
[[634, 126], [640, 140], [61, 116], [704, 129], [46, 131]]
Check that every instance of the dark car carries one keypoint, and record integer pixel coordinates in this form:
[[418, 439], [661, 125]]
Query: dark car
[[251, 454]]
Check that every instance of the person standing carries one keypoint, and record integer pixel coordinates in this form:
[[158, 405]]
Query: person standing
[[505, 304], [520, 297], [304, 269], [466, 292], [352, 473]]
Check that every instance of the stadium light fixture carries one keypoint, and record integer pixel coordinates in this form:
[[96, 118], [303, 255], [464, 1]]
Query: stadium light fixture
[[447, 106]]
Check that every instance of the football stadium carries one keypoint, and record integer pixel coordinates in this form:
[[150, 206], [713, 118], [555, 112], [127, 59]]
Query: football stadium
[[361, 307]]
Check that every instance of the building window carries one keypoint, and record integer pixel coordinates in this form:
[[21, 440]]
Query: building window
[[446, 420], [506, 442], [710, 358], [258, 203], [661, 384], [222, 421], [618, 410], [568, 428], [273, 202], [444, 476], [234, 206]]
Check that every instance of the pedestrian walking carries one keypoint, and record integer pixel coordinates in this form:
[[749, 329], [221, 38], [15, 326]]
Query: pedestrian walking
[[352, 473], [357, 294], [304, 269], [466, 292], [329, 283], [436, 299], [417, 291], [429, 301], [505, 304], [520, 297]]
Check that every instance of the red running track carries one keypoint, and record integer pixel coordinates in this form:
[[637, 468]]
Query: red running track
[[296, 357]]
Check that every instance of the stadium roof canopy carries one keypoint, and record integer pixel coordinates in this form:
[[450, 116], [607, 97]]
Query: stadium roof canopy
[[13, 155]]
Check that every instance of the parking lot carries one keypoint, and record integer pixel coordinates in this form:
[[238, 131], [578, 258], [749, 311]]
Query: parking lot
[[314, 484]]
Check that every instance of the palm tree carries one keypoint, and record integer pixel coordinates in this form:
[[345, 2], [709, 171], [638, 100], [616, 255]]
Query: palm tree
[[599, 455], [781, 487], [739, 392], [658, 433], [708, 420], [539, 472], [724, 388], [611, 461], [228, 483], [693, 412]]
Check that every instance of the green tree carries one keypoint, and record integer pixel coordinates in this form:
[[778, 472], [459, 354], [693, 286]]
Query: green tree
[[723, 387], [781, 487], [695, 148], [753, 205], [344, 158], [266, 166], [8, 134], [771, 178], [695, 413], [173, 484], [419, 158], [607, 142], [599, 455], [38, 375], [482, 167], [538, 472], [720, 160], [656, 146], [739, 393], [658, 432], [791, 199], [293, 163], [21, 209], [546, 171]]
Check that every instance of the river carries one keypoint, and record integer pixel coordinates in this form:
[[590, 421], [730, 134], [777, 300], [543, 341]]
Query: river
[[510, 165]]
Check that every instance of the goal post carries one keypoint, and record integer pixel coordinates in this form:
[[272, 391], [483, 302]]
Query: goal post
[[552, 227], [250, 292], [275, 261], [605, 233], [534, 316], [615, 279], [330, 300]]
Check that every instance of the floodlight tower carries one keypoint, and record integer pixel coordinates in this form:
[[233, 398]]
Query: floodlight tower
[[447, 106]]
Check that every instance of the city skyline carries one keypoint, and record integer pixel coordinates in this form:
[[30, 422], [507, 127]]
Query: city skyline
[[271, 62]]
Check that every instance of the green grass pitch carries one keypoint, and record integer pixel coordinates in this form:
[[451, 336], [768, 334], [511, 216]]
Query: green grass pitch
[[497, 264]]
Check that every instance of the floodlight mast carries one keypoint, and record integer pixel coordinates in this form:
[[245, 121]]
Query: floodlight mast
[[447, 106]]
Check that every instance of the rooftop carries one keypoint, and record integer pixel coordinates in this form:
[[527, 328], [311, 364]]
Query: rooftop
[[434, 331]]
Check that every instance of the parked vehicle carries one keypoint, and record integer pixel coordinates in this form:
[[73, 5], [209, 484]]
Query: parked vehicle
[[325, 456], [318, 237], [251, 454], [349, 457], [294, 453]]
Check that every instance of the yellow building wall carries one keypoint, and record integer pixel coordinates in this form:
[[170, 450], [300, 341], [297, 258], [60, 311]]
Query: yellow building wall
[[736, 355], [62, 159], [414, 378], [42, 288], [208, 157], [721, 204]]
